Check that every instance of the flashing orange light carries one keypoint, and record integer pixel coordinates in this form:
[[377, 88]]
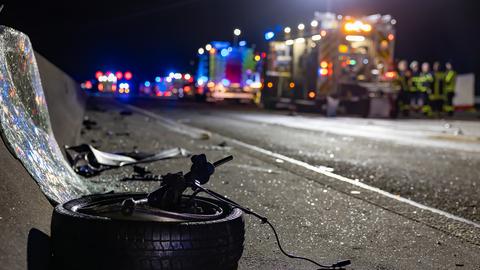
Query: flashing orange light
[[342, 48], [391, 37], [384, 44], [88, 84], [100, 87], [128, 75], [324, 72], [323, 33], [324, 64], [98, 74], [312, 94], [159, 94], [114, 87], [292, 85], [127, 91], [187, 89], [357, 26], [121, 90], [269, 84], [391, 74], [213, 51], [257, 58]]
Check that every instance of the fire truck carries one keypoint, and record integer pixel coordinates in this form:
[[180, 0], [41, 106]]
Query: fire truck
[[342, 57], [228, 71]]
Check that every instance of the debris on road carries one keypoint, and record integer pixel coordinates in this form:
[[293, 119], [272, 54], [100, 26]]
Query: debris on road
[[119, 134], [126, 113], [142, 174], [88, 123], [89, 161], [223, 146], [168, 205]]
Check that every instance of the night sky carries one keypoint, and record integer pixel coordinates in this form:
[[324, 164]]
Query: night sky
[[155, 37]]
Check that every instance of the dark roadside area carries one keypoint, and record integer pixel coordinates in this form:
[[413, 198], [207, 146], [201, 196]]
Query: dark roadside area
[[313, 219]]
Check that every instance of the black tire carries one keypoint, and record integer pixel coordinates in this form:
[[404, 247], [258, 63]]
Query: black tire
[[81, 241]]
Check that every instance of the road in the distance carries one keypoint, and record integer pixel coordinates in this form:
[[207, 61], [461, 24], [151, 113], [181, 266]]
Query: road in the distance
[[424, 160]]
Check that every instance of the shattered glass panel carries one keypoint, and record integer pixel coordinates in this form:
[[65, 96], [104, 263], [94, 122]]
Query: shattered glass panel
[[25, 124]]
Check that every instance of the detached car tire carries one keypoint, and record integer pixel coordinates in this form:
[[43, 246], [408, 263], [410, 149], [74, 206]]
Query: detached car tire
[[89, 242]]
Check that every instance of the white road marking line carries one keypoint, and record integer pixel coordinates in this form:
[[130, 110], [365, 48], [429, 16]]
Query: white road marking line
[[320, 170], [353, 182]]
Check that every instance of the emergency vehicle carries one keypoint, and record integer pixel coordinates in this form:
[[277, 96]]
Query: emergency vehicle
[[174, 86], [350, 59], [119, 83], [228, 72]]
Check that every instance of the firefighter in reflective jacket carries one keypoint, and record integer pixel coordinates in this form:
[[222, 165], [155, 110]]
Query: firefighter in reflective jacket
[[437, 95], [449, 89], [412, 82], [403, 88], [424, 86]]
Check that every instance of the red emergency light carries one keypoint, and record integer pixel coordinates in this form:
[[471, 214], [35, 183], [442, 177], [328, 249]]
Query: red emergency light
[[98, 74], [119, 75], [128, 75]]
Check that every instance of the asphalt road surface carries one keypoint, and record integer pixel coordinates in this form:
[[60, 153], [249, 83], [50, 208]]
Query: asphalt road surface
[[303, 180], [433, 162]]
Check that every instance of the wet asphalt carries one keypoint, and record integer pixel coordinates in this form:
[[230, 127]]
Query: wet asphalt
[[315, 217]]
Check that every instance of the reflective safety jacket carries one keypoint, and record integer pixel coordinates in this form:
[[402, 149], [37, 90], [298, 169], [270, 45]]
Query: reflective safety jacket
[[450, 80], [424, 82], [438, 85], [413, 81], [401, 82]]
